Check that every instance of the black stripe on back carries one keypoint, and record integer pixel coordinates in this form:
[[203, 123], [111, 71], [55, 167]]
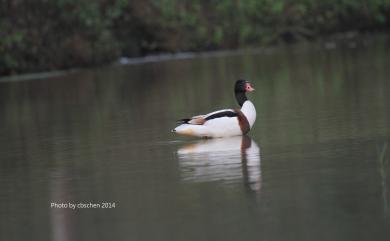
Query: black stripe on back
[[221, 114]]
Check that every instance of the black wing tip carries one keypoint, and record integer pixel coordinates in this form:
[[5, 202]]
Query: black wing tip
[[183, 121]]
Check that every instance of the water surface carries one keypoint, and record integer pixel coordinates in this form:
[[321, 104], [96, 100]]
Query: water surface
[[315, 166]]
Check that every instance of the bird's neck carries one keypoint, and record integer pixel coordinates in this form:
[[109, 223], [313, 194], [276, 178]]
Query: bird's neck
[[240, 97]]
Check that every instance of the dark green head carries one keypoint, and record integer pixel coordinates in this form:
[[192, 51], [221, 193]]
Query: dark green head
[[240, 88]]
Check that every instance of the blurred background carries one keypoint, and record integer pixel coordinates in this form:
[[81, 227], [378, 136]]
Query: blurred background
[[46, 35], [315, 165]]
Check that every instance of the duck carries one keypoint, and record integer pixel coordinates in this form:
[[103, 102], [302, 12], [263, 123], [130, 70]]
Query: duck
[[223, 123]]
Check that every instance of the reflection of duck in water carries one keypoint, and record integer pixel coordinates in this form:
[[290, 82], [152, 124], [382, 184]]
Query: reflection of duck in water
[[228, 159], [227, 122]]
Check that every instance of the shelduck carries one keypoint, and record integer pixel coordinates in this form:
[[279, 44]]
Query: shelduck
[[223, 123]]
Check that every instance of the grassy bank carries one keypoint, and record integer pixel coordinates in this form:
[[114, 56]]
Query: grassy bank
[[59, 34]]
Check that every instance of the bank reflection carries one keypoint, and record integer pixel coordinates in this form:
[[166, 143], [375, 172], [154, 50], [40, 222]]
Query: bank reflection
[[223, 159]]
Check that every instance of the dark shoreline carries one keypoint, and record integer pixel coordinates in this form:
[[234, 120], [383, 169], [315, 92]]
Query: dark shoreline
[[43, 35], [347, 39]]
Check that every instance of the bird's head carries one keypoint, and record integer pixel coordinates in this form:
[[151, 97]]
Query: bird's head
[[243, 86]]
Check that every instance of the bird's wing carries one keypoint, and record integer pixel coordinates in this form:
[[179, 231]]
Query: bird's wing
[[201, 119], [221, 113]]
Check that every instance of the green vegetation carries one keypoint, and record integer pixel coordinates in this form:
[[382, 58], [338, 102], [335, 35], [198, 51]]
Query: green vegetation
[[58, 34]]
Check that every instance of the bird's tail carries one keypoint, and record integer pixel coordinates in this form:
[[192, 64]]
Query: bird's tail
[[183, 121]]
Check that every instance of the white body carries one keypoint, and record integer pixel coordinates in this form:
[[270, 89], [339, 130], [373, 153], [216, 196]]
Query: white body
[[220, 127]]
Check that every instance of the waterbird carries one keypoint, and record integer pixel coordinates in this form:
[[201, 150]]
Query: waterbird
[[223, 123]]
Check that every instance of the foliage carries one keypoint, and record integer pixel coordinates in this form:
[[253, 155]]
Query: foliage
[[56, 34]]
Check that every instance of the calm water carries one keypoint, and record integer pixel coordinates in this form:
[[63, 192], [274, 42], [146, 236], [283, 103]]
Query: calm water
[[315, 166]]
